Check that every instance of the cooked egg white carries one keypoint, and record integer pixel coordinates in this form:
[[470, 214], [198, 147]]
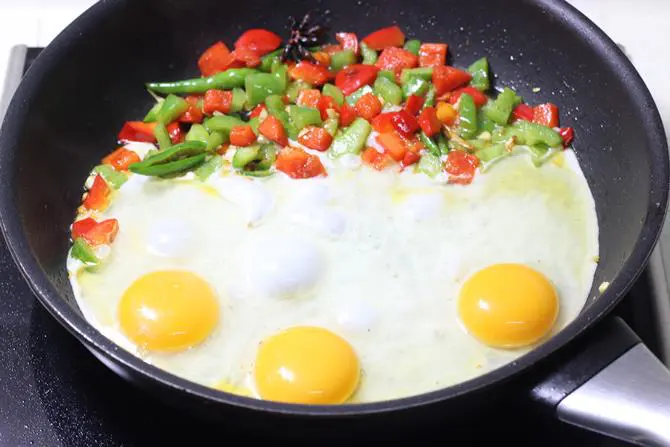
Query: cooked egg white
[[376, 258]]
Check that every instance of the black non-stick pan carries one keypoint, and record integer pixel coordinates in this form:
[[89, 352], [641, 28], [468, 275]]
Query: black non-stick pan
[[594, 373]]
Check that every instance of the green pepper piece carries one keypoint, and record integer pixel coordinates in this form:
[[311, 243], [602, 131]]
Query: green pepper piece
[[261, 85], [111, 175], [534, 134], [268, 156], [197, 132], [413, 46], [491, 152], [331, 125], [429, 164], [443, 144], [294, 89], [257, 173], [292, 130], [333, 92], [388, 74], [502, 134], [245, 155], [467, 121], [280, 71], [151, 115], [430, 97], [215, 140], [355, 96], [369, 55], [173, 168], [429, 143], [415, 86], [500, 109], [222, 123], [174, 160], [254, 123], [269, 59], [162, 136], [226, 80], [352, 139], [275, 104], [388, 90], [480, 74], [208, 168], [425, 73], [485, 123], [302, 117], [84, 252], [239, 100], [341, 59], [172, 107]]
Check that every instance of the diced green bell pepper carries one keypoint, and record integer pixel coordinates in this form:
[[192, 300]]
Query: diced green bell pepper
[[254, 123], [275, 104], [115, 178], [480, 74], [467, 121], [216, 139], [533, 134], [352, 139], [208, 168], [84, 252], [280, 71], [443, 144], [485, 123], [223, 124], [491, 152], [415, 86], [294, 89], [369, 55], [171, 108], [302, 117], [388, 90], [429, 164], [341, 59], [239, 100], [151, 115], [388, 74], [261, 85], [267, 157], [331, 125], [425, 73], [197, 132], [269, 59], [355, 96], [413, 46], [245, 155], [501, 108], [333, 92], [162, 136]]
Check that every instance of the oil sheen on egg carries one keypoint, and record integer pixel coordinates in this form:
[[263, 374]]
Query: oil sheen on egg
[[376, 258]]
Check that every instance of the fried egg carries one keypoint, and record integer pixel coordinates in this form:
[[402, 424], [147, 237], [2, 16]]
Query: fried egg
[[356, 287]]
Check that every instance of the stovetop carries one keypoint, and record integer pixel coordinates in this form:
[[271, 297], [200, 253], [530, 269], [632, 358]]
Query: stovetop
[[54, 393]]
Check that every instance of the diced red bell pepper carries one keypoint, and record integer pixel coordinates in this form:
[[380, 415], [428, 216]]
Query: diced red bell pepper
[[137, 131], [82, 226], [102, 233], [309, 98], [245, 57], [258, 41], [325, 103], [546, 115], [298, 164], [383, 123], [432, 54], [428, 122], [391, 36], [477, 96], [322, 58], [414, 104], [313, 74], [446, 79], [331, 49], [257, 111], [368, 106], [217, 101], [349, 41], [215, 59], [176, 134], [395, 59], [394, 145], [461, 167], [409, 159], [374, 158], [355, 76], [96, 199], [315, 138], [347, 115], [121, 158], [193, 114], [523, 112], [405, 123], [242, 135], [568, 134], [272, 129]]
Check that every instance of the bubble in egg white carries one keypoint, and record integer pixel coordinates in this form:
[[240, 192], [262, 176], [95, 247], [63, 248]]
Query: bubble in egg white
[[325, 221], [422, 206], [357, 317], [249, 194], [169, 237]]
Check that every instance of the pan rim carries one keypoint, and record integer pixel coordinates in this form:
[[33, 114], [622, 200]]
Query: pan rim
[[90, 337]]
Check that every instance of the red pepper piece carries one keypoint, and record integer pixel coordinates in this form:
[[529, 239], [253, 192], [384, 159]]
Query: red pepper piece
[[429, 122], [479, 98], [257, 111], [96, 199], [349, 41], [461, 167], [414, 104], [309, 98], [217, 101], [432, 54], [405, 123], [331, 49], [176, 134], [315, 138], [137, 131], [272, 129], [347, 115], [193, 114], [121, 158], [368, 106], [242, 135], [383, 123], [215, 59], [394, 145], [313, 74], [374, 158], [298, 164], [257, 41], [523, 112], [325, 103], [102, 233], [568, 134], [82, 226], [385, 37], [546, 115], [409, 159], [446, 79], [245, 57], [395, 59], [355, 76]]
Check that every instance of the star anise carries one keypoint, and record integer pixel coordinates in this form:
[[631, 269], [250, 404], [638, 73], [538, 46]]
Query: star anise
[[303, 36]]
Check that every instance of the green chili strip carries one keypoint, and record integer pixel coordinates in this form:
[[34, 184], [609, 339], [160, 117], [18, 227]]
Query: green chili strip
[[171, 168], [176, 159], [430, 145], [467, 121], [226, 80]]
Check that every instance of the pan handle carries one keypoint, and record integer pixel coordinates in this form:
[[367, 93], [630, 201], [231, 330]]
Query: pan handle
[[614, 385]]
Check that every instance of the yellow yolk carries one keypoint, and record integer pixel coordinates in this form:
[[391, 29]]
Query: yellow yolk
[[306, 365], [508, 305], [168, 310]]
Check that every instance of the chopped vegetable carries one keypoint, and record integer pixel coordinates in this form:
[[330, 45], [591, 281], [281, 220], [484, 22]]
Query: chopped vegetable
[[310, 73], [137, 131], [461, 167], [383, 123], [375, 159], [294, 88], [82, 226], [446, 113], [215, 59], [223, 124], [347, 115], [358, 94], [385, 37], [242, 135], [113, 178], [415, 86], [298, 164], [333, 92], [268, 61], [326, 106], [368, 106], [479, 98], [309, 98], [388, 75], [261, 85], [254, 43], [413, 46], [162, 136], [467, 121], [355, 76], [369, 55], [102, 233], [394, 145], [239, 100], [150, 117], [414, 104], [302, 117], [501, 109], [432, 54], [341, 59], [96, 198], [446, 79], [388, 90], [331, 125], [405, 123], [217, 101], [409, 159], [121, 158], [430, 145], [568, 134], [194, 112], [82, 251], [173, 106], [429, 122], [197, 132], [425, 73], [245, 155], [315, 138], [430, 164], [480, 74], [491, 152], [523, 112], [396, 59], [546, 114], [351, 140], [173, 161], [272, 129], [231, 78], [209, 167], [532, 134], [349, 41]]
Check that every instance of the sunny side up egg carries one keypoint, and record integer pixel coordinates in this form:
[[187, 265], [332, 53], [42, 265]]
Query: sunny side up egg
[[359, 286]]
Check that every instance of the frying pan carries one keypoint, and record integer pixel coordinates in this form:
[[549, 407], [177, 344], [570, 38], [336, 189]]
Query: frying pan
[[593, 373]]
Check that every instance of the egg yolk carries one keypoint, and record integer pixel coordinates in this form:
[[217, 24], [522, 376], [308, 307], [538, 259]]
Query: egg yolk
[[508, 305], [168, 310], [306, 365]]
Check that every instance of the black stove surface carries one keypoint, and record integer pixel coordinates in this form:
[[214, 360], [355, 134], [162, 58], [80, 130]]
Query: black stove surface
[[54, 393]]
